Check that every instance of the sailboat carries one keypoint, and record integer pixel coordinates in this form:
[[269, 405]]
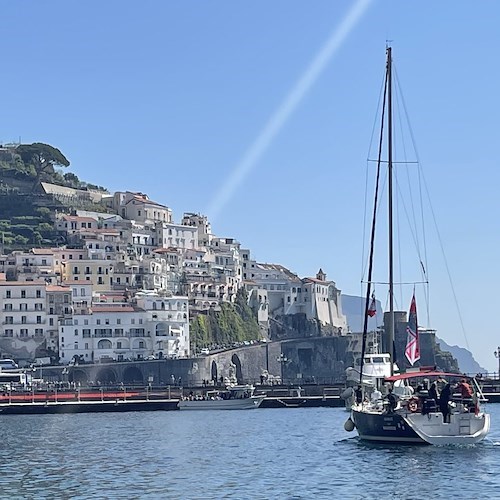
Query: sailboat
[[412, 418]]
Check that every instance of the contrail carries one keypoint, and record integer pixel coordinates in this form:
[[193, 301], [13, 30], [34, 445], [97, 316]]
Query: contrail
[[281, 115]]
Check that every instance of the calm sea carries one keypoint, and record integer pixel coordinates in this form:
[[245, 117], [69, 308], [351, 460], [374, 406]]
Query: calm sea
[[256, 454]]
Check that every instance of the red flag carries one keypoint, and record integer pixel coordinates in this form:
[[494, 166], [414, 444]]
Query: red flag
[[412, 350], [372, 310]]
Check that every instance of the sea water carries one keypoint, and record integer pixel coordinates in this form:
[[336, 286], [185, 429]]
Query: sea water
[[247, 454]]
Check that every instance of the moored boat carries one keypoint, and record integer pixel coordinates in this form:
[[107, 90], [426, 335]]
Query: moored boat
[[236, 397]]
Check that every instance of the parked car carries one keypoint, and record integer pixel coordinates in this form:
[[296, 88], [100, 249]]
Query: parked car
[[204, 351]]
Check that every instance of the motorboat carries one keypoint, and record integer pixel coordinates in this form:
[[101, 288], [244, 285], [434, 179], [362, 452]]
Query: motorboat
[[235, 397]]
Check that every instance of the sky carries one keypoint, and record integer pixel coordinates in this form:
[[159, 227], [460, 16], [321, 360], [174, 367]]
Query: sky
[[260, 115]]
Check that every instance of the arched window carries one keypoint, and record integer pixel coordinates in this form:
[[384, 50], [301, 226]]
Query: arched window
[[104, 344]]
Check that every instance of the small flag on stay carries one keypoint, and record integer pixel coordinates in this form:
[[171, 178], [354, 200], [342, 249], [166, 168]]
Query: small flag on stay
[[372, 309]]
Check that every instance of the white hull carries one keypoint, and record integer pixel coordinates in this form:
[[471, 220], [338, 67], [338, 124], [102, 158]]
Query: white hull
[[463, 428], [222, 404]]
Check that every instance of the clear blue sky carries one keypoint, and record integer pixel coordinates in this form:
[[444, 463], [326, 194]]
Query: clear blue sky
[[168, 97]]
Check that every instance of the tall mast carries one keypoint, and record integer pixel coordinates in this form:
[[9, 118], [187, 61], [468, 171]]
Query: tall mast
[[391, 256]]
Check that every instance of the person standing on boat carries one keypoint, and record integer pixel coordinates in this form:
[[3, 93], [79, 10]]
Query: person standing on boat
[[392, 400], [444, 399], [359, 395], [465, 389], [433, 393]]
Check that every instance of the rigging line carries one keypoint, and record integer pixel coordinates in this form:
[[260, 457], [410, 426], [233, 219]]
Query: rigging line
[[374, 218], [420, 183], [413, 219], [434, 220], [448, 272], [399, 283], [393, 162], [364, 262]]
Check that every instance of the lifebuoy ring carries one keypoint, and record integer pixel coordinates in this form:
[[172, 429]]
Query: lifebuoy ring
[[413, 405]]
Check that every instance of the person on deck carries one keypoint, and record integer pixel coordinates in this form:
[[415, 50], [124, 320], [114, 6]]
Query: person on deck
[[359, 395], [444, 399], [392, 400], [433, 393], [465, 389]]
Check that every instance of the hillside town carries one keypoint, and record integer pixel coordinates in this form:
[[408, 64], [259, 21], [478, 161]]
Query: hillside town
[[125, 283]]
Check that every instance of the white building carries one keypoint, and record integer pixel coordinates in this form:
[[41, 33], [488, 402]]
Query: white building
[[149, 326]]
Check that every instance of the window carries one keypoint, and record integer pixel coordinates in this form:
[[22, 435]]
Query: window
[[8, 294], [86, 347], [8, 333], [76, 332], [23, 333], [132, 321], [38, 306], [23, 294], [38, 294], [38, 332], [82, 292], [118, 345], [85, 321], [141, 344], [75, 322], [51, 321], [23, 320], [7, 307], [98, 322], [118, 321], [23, 307], [38, 320], [86, 333]]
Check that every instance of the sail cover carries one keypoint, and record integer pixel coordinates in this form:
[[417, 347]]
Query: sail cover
[[412, 350]]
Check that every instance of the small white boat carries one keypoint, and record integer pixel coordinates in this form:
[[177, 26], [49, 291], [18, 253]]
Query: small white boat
[[236, 397]]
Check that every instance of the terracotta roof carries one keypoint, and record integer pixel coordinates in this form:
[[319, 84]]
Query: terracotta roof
[[22, 283], [111, 308], [57, 288], [42, 251], [77, 218]]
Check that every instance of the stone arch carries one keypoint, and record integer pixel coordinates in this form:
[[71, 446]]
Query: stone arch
[[132, 375], [106, 376], [78, 376], [104, 344], [236, 362], [213, 371]]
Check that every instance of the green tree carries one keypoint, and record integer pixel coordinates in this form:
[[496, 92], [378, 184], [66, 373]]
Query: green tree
[[43, 158]]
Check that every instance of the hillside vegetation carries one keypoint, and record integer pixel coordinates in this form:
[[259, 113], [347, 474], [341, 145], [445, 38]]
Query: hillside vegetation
[[233, 323]]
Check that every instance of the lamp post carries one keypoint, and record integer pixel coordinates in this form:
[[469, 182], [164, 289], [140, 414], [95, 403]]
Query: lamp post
[[497, 355], [282, 359]]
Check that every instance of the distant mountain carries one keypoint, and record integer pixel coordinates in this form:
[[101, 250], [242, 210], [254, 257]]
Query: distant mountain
[[465, 359], [353, 308]]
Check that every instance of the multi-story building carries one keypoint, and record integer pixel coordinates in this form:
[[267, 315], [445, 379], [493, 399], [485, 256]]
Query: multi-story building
[[138, 207], [180, 236], [23, 312], [149, 326]]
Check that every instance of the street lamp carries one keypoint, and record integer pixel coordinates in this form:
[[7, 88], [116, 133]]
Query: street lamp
[[497, 355], [282, 359]]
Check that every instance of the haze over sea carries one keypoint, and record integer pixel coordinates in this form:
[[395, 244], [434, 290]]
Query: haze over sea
[[260, 454]]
